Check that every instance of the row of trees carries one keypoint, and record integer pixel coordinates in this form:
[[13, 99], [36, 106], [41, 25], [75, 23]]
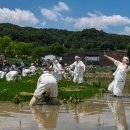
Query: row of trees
[[11, 49], [36, 42]]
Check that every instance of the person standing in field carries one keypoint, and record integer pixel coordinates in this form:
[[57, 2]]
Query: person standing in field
[[22, 66], [117, 85], [32, 69], [57, 70], [13, 67], [79, 69], [45, 83]]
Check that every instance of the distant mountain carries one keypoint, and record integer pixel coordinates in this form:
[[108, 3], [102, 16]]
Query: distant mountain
[[88, 39]]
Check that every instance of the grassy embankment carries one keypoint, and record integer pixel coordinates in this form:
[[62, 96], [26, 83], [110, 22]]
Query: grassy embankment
[[66, 88]]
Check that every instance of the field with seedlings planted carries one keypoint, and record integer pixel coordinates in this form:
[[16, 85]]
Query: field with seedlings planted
[[23, 89]]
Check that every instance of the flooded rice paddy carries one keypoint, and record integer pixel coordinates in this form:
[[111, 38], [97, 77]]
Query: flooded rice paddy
[[106, 113]]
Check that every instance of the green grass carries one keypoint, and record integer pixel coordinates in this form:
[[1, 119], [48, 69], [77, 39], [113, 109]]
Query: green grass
[[8, 90], [66, 88], [78, 91]]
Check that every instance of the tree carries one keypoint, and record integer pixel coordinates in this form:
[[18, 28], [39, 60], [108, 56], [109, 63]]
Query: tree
[[128, 51], [56, 49], [24, 49], [89, 39], [107, 46], [12, 49], [39, 52], [4, 43]]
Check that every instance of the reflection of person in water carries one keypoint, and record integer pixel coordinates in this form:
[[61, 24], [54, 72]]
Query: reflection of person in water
[[76, 115], [118, 109], [46, 116]]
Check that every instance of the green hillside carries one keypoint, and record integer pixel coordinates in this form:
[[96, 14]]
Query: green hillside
[[27, 41]]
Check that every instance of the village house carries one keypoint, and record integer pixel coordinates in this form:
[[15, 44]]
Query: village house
[[94, 57]]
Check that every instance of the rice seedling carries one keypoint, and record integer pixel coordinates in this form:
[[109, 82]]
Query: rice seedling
[[22, 90]]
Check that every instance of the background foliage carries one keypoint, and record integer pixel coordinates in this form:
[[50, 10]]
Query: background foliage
[[26, 41]]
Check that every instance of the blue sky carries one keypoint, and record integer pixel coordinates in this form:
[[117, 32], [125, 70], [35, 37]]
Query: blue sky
[[109, 15]]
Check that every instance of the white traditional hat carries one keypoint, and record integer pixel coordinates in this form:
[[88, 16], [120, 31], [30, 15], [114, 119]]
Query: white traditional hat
[[77, 57], [45, 72], [126, 58]]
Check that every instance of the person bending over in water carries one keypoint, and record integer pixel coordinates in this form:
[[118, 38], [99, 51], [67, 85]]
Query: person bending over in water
[[13, 75], [46, 82], [117, 85]]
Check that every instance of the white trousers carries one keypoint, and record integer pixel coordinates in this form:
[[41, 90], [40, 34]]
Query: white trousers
[[78, 78], [46, 84], [116, 87]]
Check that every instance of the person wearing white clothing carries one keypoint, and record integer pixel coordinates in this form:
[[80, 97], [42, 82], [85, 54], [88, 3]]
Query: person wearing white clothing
[[2, 74], [67, 72], [13, 68], [33, 69], [46, 82], [57, 70], [117, 85], [12, 76], [79, 69], [26, 72]]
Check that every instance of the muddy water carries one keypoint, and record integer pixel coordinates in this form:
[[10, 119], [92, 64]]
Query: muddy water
[[106, 113], [94, 114]]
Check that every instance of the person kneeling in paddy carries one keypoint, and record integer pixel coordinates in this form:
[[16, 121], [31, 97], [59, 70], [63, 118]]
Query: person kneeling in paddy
[[13, 75], [26, 72], [46, 82], [117, 85]]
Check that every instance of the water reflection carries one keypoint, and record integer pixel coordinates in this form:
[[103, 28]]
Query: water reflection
[[76, 114], [117, 108], [46, 116], [92, 114]]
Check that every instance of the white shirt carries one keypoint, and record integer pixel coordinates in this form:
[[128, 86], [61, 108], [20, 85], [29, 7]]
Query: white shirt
[[57, 68], [11, 75], [79, 67], [32, 68], [25, 72], [46, 82], [120, 73]]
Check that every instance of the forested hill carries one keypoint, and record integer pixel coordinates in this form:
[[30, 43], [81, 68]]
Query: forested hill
[[88, 39]]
